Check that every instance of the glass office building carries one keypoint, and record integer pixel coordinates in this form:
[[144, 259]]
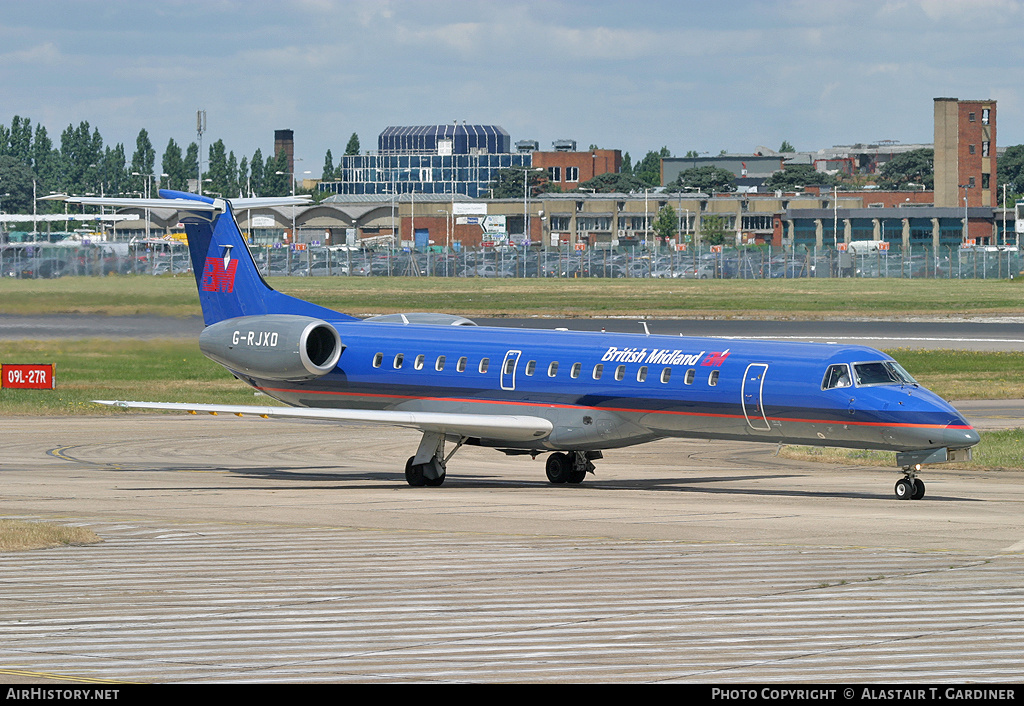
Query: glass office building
[[431, 159]]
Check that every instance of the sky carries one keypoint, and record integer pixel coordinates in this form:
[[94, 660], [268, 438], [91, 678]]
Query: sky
[[631, 75]]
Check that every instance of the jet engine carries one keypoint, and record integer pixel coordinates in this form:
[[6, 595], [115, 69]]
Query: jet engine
[[273, 346]]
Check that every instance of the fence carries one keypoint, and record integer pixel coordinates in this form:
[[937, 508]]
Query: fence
[[761, 262]]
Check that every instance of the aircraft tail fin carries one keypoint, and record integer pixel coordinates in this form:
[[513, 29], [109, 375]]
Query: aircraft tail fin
[[228, 280]]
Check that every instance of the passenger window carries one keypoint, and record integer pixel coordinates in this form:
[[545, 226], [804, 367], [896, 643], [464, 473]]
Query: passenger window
[[378, 359], [666, 373], [531, 367], [418, 364], [713, 378], [553, 368], [836, 376], [598, 371], [641, 374], [620, 372], [484, 363], [510, 365], [461, 365], [575, 372], [439, 365], [398, 360], [690, 374]]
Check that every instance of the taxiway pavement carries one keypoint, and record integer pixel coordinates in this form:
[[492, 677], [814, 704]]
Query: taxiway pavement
[[271, 550]]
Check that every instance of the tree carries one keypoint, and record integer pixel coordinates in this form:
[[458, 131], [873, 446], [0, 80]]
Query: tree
[[508, 183], [353, 145], [786, 147], [627, 164], [712, 230], [276, 176], [914, 167], [192, 162], [1010, 170], [243, 176], [21, 140], [709, 179], [328, 173], [666, 224], [257, 170], [648, 170], [611, 183], [143, 162], [233, 185], [216, 179], [798, 175], [45, 161], [113, 172], [16, 179], [173, 165], [81, 154]]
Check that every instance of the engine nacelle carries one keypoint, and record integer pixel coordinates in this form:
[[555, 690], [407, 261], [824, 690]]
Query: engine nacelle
[[274, 346]]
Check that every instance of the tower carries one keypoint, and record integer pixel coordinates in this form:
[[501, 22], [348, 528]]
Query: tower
[[965, 152]]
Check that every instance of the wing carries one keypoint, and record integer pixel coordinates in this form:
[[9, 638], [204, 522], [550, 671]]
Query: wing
[[487, 426]]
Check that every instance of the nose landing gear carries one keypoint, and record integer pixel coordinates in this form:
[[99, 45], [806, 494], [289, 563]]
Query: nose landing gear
[[909, 487]]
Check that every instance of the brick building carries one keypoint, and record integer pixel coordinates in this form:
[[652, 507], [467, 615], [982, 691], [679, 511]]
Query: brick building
[[569, 169], [965, 153]]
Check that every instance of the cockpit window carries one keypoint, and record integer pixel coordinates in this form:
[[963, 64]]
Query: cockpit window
[[837, 376], [882, 372]]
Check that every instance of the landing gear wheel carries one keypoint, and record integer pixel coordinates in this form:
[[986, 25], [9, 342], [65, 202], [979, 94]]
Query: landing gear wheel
[[558, 468], [918, 489], [576, 477], [433, 482], [904, 489], [414, 473]]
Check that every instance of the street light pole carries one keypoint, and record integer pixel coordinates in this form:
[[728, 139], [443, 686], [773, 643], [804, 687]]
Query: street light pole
[[526, 200], [965, 187], [1004, 214]]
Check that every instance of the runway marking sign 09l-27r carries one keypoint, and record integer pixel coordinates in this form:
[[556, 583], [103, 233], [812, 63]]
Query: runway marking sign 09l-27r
[[28, 377]]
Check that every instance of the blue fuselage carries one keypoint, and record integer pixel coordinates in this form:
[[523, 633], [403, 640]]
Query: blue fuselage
[[607, 390]]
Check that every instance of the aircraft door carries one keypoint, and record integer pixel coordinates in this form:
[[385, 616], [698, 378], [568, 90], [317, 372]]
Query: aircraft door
[[753, 397], [508, 370]]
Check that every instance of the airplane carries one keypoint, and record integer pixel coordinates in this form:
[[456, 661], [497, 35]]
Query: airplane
[[569, 394]]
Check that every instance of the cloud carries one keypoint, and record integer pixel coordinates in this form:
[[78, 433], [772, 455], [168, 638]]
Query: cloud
[[45, 54]]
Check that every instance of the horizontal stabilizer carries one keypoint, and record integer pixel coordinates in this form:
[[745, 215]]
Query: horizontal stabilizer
[[487, 426], [143, 203]]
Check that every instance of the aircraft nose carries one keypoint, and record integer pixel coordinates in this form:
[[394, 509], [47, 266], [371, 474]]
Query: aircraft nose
[[960, 438]]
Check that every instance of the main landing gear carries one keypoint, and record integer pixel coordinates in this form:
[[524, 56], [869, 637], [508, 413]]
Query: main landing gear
[[428, 466], [909, 487], [570, 467]]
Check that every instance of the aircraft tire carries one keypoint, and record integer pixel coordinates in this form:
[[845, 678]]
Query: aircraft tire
[[414, 473], [904, 489], [576, 477], [558, 467], [918, 489], [433, 482]]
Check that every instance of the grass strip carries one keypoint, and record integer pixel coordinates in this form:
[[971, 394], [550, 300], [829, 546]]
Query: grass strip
[[781, 298], [149, 371], [16, 535], [999, 450]]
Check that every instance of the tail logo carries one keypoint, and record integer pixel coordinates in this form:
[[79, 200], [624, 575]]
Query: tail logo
[[219, 274], [715, 359]]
